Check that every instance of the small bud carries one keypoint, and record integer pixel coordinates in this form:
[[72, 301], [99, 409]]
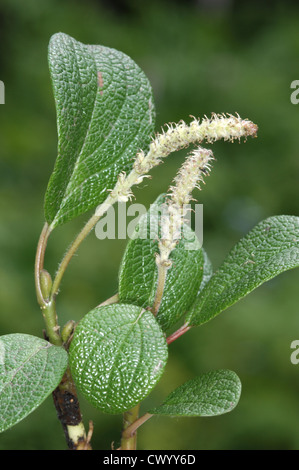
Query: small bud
[[67, 330], [45, 283]]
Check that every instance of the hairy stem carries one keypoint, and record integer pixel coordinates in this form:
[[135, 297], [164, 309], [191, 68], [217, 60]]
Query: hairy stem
[[70, 253], [182, 330], [112, 300], [130, 432], [77, 242]]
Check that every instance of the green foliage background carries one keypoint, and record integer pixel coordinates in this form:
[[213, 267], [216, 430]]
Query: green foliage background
[[240, 58]]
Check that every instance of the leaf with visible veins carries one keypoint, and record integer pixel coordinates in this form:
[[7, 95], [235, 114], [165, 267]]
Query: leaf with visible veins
[[105, 114]]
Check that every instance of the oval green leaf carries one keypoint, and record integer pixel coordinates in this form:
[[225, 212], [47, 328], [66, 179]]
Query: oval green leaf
[[30, 369], [211, 394], [269, 249], [117, 356], [105, 114]]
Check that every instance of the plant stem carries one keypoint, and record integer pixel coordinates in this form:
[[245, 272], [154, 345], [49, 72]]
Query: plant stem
[[112, 300], [128, 440], [129, 433], [65, 396], [183, 329], [85, 445], [69, 414], [52, 327], [77, 242]]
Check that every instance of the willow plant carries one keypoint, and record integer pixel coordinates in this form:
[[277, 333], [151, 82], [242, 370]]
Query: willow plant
[[116, 354]]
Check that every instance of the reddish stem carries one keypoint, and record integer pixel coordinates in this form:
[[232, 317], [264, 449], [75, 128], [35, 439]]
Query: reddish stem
[[178, 333]]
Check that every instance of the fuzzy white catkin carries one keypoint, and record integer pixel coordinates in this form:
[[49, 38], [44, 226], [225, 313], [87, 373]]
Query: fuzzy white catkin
[[179, 136], [190, 175]]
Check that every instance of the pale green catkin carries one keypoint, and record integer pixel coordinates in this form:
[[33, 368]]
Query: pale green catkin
[[176, 137], [196, 166]]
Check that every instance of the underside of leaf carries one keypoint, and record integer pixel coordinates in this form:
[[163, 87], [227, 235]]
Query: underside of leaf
[[30, 369]]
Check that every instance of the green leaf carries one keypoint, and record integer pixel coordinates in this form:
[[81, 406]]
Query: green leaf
[[105, 114], [211, 394], [117, 356], [138, 273], [30, 369], [266, 251]]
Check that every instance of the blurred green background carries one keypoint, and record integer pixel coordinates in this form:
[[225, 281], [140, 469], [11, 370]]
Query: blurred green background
[[201, 57]]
